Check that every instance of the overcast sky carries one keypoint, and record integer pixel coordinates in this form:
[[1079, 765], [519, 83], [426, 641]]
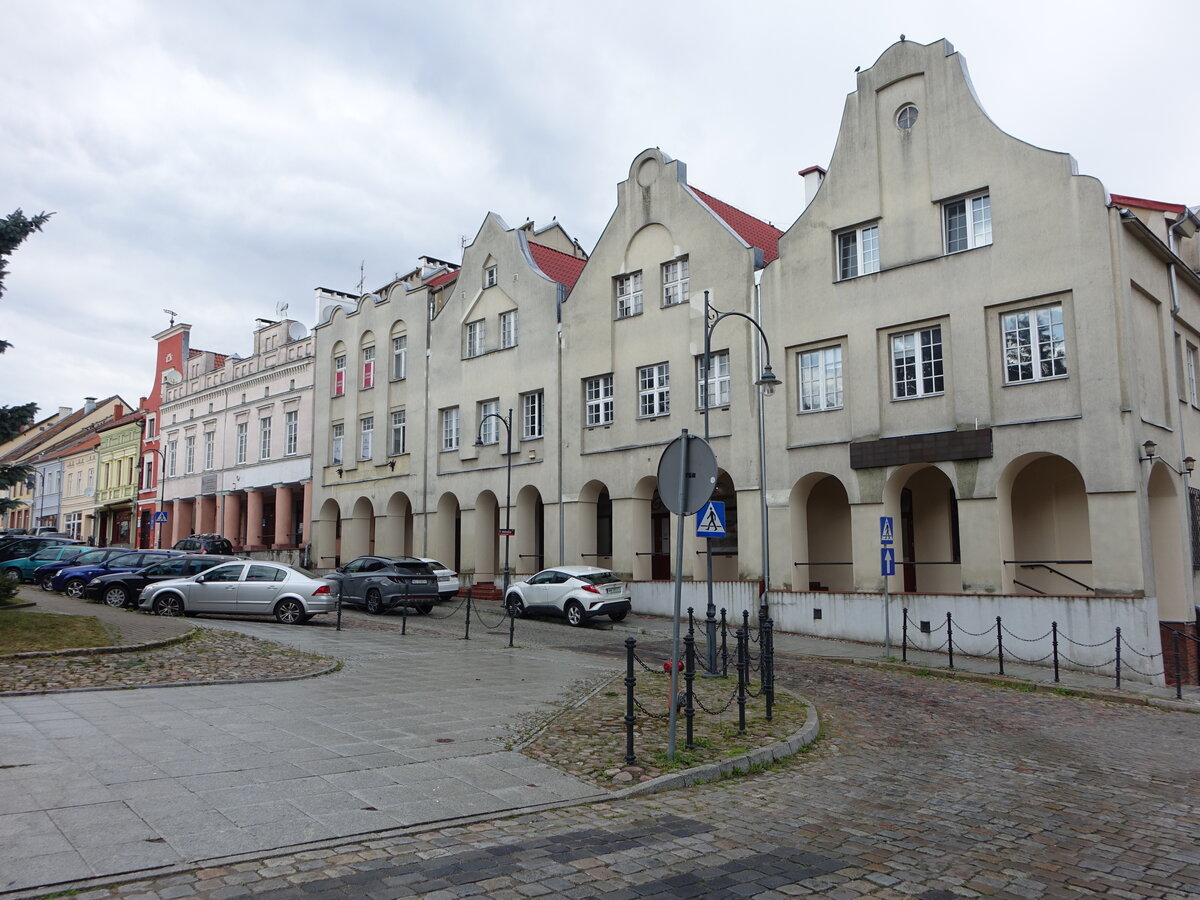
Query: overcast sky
[[220, 157]]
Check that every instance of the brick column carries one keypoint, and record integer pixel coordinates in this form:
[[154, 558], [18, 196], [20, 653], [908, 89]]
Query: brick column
[[232, 520], [254, 511], [283, 516]]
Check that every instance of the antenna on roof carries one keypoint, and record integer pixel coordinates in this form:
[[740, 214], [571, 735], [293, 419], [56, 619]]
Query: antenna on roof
[[362, 267], [172, 314]]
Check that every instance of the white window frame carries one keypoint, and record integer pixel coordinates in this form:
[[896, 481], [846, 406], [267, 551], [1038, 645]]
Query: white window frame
[[337, 449], [490, 276], [675, 282], [172, 461], [291, 432], [975, 211], [399, 435], [629, 295], [858, 251], [368, 368], [654, 391], [400, 357], [147, 472], [819, 374], [533, 417], [339, 375], [189, 455], [264, 437], [450, 428], [1029, 340], [210, 450], [241, 442], [366, 438], [151, 425], [476, 338], [508, 329], [598, 400], [717, 382], [1192, 365], [489, 427], [923, 360]]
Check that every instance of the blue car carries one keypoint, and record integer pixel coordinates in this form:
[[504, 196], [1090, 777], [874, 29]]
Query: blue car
[[73, 579], [44, 574]]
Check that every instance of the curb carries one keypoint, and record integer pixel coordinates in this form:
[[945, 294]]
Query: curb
[[100, 651]]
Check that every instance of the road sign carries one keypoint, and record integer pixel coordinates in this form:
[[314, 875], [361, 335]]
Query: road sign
[[887, 560], [160, 517], [885, 529], [507, 532], [710, 521], [696, 464]]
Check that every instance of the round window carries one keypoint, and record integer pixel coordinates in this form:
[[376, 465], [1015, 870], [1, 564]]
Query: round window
[[907, 117]]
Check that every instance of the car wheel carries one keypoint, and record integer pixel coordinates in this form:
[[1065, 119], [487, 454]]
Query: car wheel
[[289, 612], [514, 606], [574, 612], [374, 602], [74, 587], [116, 596], [46, 583], [168, 605], [424, 608], [618, 615], [14, 574]]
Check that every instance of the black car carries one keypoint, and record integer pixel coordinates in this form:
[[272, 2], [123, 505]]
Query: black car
[[27, 546], [204, 543], [381, 583], [123, 588]]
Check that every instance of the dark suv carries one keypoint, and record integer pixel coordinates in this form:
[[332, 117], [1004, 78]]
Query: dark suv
[[123, 588], [381, 583], [204, 543]]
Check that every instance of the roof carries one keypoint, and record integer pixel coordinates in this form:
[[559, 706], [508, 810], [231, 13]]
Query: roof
[[443, 279], [1140, 203], [46, 436], [561, 267], [754, 232], [218, 358], [136, 416], [69, 447]]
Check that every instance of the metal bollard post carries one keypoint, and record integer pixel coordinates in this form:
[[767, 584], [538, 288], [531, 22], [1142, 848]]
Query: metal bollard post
[[467, 633], [339, 609], [743, 665], [950, 639], [769, 665], [689, 673], [630, 681], [691, 622], [1118, 658], [512, 620], [904, 636], [404, 619], [1054, 647], [1178, 679], [1000, 644], [724, 646]]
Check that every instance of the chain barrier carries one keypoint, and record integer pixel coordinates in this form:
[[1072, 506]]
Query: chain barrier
[[1080, 644], [653, 715], [1076, 662], [717, 712], [958, 627], [483, 620], [1025, 639], [462, 601], [1125, 665], [1031, 662]]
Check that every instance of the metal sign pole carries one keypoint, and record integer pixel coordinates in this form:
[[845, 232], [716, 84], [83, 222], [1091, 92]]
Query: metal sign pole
[[683, 473]]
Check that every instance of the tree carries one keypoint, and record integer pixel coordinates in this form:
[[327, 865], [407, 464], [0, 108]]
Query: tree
[[14, 228]]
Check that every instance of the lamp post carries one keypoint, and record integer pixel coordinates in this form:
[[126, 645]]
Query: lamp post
[[507, 423], [767, 380], [162, 472]]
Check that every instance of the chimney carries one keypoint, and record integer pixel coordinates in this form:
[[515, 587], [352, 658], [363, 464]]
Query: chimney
[[118, 411], [63, 412], [89, 404], [813, 176]]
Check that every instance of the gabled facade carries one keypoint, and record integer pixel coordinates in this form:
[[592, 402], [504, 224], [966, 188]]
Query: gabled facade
[[171, 357], [118, 453]]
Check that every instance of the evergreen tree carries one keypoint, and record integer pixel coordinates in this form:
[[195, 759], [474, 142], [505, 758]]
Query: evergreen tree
[[14, 228]]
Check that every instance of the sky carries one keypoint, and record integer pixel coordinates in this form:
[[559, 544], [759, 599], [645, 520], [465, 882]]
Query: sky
[[220, 157]]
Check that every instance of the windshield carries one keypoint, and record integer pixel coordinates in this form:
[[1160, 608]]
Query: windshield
[[92, 556], [599, 578], [129, 559]]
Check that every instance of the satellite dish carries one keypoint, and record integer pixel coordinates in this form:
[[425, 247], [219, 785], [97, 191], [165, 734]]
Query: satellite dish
[[296, 331]]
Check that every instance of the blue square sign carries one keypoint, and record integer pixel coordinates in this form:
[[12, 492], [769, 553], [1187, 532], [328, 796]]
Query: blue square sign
[[887, 561]]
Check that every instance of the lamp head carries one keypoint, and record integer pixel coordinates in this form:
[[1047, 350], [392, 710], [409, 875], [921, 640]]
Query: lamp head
[[1189, 464], [1149, 447], [768, 380]]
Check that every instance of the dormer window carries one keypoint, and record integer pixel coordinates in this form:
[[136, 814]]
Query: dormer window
[[490, 277]]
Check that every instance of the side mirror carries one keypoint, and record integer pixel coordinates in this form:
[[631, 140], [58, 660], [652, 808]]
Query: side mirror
[[200, 578], [341, 570]]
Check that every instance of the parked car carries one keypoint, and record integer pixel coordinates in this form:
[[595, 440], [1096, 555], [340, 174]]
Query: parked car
[[204, 543], [73, 579], [381, 583], [447, 579], [245, 587], [27, 546], [578, 592], [23, 568], [43, 576], [124, 588]]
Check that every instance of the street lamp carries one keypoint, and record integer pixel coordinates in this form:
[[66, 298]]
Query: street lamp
[[767, 381], [162, 477], [507, 423]]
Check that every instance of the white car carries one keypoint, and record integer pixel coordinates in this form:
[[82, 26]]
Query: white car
[[245, 587], [447, 578], [577, 592]]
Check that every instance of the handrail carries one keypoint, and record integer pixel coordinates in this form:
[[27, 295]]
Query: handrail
[[1086, 587], [1030, 586], [822, 563]]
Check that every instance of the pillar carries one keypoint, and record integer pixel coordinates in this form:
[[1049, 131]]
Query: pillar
[[254, 512], [206, 520], [283, 517], [231, 525], [306, 514]]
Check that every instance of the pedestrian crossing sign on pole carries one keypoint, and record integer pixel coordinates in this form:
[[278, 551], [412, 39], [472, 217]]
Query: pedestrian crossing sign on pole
[[160, 517], [710, 521], [885, 529]]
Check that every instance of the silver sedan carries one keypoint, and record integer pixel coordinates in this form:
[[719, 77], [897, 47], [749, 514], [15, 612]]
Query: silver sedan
[[246, 587]]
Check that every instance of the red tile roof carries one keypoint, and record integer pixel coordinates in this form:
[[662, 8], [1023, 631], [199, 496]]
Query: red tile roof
[[1157, 205], [445, 278], [561, 267], [754, 232]]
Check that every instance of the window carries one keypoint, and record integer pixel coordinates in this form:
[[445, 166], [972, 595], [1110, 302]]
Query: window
[[968, 223], [508, 329], [917, 363], [189, 454], [907, 117], [172, 455], [339, 375], [654, 390], [147, 472], [1034, 345], [489, 426], [400, 357], [629, 295], [858, 252], [475, 337], [264, 437], [291, 433], [598, 398], [490, 277], [1193, 397], [675, 282], [366, 435], [717, 380], [399, 432], [151, 426], [450, 428], [210, 441], [339, 444], [820, 379], [532, 419], [368, 367], [241, 439]]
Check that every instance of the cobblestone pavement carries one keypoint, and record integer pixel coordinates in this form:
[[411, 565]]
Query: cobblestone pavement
[[920, 787]]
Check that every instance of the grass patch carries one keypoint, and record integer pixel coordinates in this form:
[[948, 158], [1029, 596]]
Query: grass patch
[[21, 632]]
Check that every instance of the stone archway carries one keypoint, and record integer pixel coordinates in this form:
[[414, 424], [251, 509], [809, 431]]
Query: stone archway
[[925, 507], [327, 536], [1048, 548]]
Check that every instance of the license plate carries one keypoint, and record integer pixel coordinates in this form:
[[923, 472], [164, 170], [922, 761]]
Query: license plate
[[420, 581], [613, 589]]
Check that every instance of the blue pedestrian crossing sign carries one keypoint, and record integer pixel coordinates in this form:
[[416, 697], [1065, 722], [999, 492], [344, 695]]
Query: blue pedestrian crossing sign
[[160, 517], [887, 560], [885, 529], [710, 521]]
